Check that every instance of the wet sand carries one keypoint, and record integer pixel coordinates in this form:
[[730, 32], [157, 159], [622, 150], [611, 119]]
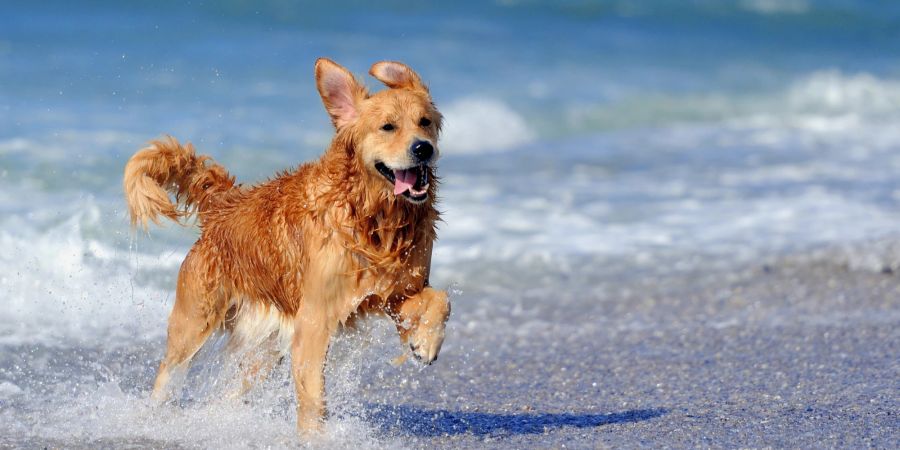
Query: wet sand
[[803, 351]]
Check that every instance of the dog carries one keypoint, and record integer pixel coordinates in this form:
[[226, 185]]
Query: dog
[[285, 264]]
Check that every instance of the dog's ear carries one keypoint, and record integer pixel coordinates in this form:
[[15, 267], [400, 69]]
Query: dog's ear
[[397, 75], [340, 92]]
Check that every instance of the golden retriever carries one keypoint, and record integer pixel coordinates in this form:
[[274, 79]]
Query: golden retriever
[[281, 266]]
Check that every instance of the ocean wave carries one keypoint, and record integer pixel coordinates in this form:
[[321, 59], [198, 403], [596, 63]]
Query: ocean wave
[[475, 125], [682, 224], [822, 99], [60, 285], [834, 92], [776, 6]]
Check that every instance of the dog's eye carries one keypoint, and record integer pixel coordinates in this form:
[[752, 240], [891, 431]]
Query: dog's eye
[[388, 127], [424, 122]]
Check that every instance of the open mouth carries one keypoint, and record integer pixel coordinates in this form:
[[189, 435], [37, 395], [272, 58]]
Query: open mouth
[[412, 182]]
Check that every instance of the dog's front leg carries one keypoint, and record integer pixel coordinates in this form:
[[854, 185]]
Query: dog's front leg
[[308, 352], [420, 320]]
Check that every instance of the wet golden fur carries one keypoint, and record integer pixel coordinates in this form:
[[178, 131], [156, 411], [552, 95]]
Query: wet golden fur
[[282, 265]]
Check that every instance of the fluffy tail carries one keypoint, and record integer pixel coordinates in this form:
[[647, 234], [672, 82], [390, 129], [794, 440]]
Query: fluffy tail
[[165, 166]]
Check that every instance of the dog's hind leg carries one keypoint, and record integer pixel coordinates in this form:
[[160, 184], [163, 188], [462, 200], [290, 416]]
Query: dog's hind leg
[[257, 364], [259, 337], [199, 310]]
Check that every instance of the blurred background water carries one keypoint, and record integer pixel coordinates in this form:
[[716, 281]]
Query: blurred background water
[[587, 142]]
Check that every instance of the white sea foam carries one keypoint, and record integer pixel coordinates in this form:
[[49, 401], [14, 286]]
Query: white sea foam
[[8, 389], [475, 125], [105, 412], [749, 226], [832, 91], [60, 285], [821, 100], [827, 100]]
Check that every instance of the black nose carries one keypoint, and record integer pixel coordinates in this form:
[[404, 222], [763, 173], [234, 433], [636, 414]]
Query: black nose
[[422, 150]]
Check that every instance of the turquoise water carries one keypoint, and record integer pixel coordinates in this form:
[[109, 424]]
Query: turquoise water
[[585, 141]]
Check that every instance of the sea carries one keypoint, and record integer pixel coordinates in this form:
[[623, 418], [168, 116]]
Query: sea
[[586, 144]]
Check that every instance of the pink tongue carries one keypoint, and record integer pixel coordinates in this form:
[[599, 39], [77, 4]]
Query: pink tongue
[[404, 180]]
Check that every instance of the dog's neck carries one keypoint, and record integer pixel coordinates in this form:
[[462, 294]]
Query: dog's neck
[[386, 227]]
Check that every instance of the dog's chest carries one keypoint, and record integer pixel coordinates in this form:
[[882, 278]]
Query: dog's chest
[[402, 272], [351, 256]]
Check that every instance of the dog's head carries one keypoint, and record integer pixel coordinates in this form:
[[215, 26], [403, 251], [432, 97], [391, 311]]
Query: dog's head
[[394, 131], [421, 320]]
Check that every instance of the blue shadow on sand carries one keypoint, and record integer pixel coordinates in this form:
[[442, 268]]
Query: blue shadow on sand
[[438, 422]]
